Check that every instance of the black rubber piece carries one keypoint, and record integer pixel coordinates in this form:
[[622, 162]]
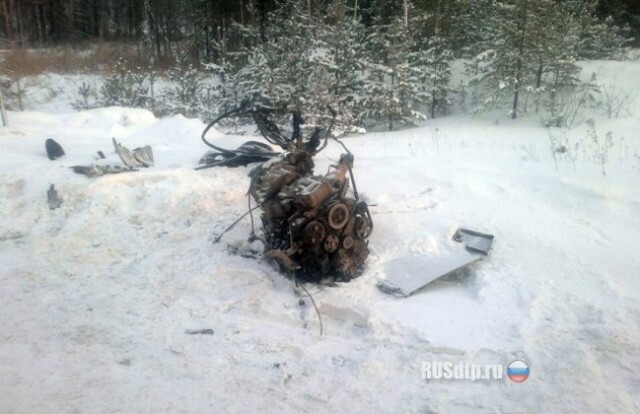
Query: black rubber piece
[[54, 150]]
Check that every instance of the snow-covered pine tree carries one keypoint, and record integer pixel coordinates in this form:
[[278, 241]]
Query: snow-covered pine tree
[[280, 69], [232, 82], [475, 33], [596, 39], [613, 40], [516, 27], [556, 71], [183, 97], [341, 53], [473, 27], [394, 88], [430, 56], [534, 47], [124, 87]]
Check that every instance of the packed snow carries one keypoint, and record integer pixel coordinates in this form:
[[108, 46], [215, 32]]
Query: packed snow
[[97, 295]]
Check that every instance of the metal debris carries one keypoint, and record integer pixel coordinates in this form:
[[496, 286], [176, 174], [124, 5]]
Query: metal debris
[[407, 275], [95, 170], [208, 331], [133, 160], [139, 157], [475, 241], [312, 226], [53, 198]]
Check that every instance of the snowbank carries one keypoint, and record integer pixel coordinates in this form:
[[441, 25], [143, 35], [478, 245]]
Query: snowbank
[[97, 294]]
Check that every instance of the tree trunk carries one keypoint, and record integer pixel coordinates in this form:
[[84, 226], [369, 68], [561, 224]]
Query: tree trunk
[[42, 32], [95, 18], [7, 23], [207, 42], [538, 84], [262, 12], [19, 88], [405, 6], [165, 38], [390, 102], [5, 121], [539, 75], [21, 39], [514, 111], [433, 107]]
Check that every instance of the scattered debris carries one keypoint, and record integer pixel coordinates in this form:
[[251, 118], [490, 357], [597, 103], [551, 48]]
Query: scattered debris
[[407, 275], [475, 241], [244, 251], [199, 331], [53, 198], [139, 157], [94, 170], [250, 151], [54, 150]]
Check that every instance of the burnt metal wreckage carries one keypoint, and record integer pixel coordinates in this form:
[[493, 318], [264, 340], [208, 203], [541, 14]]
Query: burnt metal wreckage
[[313, 228]]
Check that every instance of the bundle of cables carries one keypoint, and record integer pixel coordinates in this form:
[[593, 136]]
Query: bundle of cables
[[253, 151]]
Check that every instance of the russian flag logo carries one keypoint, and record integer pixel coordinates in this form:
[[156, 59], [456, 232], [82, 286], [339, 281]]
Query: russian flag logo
[[518, 371]]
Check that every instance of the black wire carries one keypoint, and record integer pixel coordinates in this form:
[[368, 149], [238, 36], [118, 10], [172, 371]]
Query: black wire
[[341, 144], [269, 131], [328, 133], [353, 183], [212, 123], [236, 152], [216, 163], [296, 283], [217, 239], [253, 233]]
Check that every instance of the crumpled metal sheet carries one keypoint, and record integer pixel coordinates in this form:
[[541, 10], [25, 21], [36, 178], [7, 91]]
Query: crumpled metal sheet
[[139, 157]]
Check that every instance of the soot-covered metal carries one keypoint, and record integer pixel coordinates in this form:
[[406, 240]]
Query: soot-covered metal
[[313, 227]]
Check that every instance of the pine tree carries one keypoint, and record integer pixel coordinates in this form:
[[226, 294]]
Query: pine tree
[[473, 27], [183, 97], [430, 56], [125, 87], [534, 48], [394, 87], [596, 39], [280, 67], [341, 55]]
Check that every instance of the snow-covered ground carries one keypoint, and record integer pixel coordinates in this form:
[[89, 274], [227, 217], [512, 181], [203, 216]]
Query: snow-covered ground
[[96, 295]]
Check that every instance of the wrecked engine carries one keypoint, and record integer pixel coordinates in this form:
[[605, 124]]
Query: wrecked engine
[[310, 224], [313, 227]]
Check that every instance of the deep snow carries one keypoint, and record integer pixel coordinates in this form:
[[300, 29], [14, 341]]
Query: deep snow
[[96, 296]]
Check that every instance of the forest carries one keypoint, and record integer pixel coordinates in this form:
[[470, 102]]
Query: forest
[[203, 22], [386, 62]]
